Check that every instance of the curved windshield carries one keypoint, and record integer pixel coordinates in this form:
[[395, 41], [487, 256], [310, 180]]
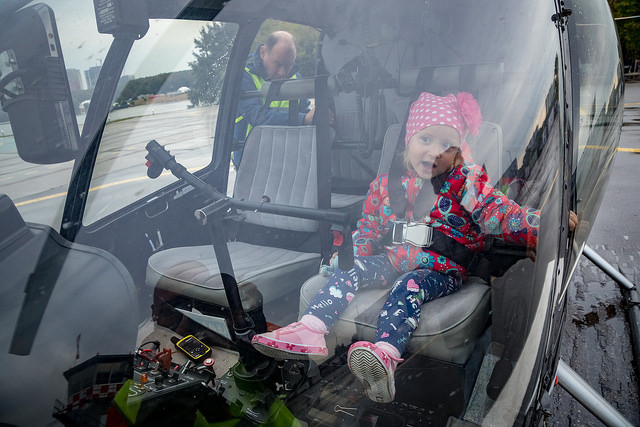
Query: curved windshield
[[316, 213], [598, 77]]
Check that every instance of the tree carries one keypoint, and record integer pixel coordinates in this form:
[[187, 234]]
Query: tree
[[160, 83], [213, 46], [211, 54], [628, 29]]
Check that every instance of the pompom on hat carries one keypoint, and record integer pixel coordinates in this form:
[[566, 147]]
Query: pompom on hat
[[460, 112]]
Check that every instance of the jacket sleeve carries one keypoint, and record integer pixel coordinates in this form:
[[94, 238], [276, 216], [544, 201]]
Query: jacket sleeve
[[496, 214], [251, 108], [366, 239]]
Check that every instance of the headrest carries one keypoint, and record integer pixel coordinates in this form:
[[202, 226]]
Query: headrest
[[301, 88], [450, 78]]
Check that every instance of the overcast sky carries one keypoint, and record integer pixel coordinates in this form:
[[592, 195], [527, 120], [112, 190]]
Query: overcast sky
[[166, 47]]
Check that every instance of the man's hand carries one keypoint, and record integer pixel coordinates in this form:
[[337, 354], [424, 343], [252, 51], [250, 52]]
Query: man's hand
[[308, 118]]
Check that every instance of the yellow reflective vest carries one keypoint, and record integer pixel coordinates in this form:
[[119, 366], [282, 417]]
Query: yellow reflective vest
[[259, 81]]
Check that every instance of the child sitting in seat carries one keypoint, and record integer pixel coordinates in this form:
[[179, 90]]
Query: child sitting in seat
[[466, 209]]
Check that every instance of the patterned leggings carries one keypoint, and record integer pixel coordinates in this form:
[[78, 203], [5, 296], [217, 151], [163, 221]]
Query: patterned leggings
[[400, 314]]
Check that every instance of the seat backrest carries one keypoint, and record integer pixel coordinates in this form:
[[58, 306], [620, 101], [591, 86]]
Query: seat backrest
[[279, 162], [353, 165], [350, 170], [451, 78], [486, 149], [389, 147]]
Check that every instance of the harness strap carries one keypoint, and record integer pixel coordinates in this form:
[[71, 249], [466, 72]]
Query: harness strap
[[423, 235], [323, 158], [396, 192], [274, 88], [474, 262]]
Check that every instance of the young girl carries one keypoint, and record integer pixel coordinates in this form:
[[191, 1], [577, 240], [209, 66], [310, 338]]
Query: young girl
[[466, 209]]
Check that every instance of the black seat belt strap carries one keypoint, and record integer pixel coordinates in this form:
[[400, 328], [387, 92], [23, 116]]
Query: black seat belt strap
[[474, 262], [274, 89], [397, 201], [323, 142], [293, 112]]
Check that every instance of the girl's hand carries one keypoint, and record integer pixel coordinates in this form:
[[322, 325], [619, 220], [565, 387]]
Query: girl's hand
[[573, 221], [327, 270], [334, 257]]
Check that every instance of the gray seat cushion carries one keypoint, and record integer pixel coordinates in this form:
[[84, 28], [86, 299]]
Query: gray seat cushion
[[449, 326], [193, 272], [278, 162]]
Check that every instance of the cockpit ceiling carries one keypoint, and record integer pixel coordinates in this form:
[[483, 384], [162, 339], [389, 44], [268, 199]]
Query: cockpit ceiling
[[332, 16]]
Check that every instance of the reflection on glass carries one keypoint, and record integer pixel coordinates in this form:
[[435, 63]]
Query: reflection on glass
[[425, 141]]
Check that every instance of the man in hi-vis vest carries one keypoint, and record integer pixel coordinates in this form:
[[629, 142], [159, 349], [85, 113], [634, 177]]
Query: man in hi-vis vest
[[275, 59]]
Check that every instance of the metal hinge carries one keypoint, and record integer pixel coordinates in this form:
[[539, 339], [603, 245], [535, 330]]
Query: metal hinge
[[560, 18]]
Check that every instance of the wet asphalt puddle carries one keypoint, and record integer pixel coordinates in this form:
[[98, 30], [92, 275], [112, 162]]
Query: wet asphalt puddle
[[593, 317], [596, 343]]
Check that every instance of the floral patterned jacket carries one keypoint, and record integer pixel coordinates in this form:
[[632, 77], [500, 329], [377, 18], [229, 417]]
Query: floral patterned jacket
[[466, 209]]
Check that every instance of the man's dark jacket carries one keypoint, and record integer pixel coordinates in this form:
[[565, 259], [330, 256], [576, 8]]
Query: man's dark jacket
[[251, 110]]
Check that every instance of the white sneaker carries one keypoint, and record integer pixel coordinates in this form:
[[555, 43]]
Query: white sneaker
[[375, 369]]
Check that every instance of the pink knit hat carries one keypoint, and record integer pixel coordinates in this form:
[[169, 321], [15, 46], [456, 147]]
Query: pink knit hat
[[460, 112]]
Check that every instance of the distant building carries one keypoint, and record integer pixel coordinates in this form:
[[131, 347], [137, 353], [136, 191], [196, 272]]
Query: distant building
[[91, 76], [180, 91], [75, 79], [92, 386]]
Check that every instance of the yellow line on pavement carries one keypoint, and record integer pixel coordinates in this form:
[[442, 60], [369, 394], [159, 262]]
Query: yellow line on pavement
[[99, 187], [40, 199], [603, 147]]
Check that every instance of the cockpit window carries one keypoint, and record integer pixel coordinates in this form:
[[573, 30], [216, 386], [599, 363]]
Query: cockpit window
[[172, 81]]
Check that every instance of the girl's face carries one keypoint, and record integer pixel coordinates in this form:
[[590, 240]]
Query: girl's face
[[433, 151]]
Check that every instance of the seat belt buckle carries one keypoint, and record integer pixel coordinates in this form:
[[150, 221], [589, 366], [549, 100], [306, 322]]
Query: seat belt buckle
[[417, 234], [399, 232]]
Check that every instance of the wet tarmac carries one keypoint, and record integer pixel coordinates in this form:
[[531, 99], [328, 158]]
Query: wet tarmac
[[596, 340]]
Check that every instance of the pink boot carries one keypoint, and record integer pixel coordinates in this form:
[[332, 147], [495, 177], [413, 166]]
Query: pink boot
[[375, 369], [296, 341]]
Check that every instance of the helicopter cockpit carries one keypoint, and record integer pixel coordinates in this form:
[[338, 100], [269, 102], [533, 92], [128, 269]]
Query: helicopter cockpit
[[178, 263]]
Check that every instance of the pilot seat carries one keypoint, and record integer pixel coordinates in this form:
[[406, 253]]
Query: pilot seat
[[279, 163]]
